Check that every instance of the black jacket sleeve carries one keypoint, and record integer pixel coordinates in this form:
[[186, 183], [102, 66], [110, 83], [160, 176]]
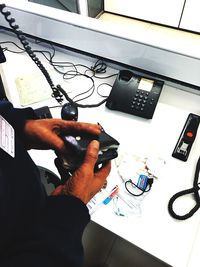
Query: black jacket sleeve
[[36, 229], [16, 116], [64, 220], [57, 236]]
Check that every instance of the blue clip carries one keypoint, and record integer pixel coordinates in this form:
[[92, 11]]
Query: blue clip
[[142, 181]]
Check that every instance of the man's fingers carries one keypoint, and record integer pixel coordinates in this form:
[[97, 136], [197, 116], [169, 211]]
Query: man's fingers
[[92, 153], [104, 171], [79, 127], [72, 126]]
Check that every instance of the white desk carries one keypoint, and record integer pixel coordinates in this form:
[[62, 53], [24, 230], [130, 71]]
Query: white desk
[[174, 242]]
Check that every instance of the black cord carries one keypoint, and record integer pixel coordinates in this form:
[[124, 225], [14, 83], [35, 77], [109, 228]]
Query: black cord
[[91, 89], [58, 92], [72, 73], [99, 67], [194, 190], [146, 189], [9, 42], [25, 43], [100, 86], [77, 104], [66, 75]]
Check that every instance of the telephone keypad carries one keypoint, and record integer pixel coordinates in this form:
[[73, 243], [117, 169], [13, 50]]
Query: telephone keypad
[[140, 99]]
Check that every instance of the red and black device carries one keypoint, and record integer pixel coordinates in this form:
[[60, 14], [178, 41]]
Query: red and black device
[[187, 137]]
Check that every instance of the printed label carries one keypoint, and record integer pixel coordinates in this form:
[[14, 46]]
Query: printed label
[[7, 137]]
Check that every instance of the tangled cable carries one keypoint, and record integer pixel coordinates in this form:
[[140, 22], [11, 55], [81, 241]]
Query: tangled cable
[[194, 190], [58, 91], [25, 43]]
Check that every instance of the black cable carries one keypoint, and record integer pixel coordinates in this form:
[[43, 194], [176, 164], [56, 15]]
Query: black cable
[[25, 43], [106, 77], [66, 75], [70, 74], [146, 189], [98, 67], [194, 190], [100, 86], [58, 92], [77, 104], [92, 88], [9, 42]]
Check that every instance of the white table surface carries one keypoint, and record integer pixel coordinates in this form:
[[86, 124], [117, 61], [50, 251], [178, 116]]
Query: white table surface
[[155, 231]]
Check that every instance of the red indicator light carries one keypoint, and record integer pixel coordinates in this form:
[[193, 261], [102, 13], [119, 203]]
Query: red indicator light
[[189, 134]]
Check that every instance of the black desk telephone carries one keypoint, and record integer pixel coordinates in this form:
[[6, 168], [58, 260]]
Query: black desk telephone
[[134, 94]]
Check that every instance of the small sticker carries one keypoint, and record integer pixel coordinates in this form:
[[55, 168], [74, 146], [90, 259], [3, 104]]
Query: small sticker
[[142, 181], [7, 137], [145, 84]]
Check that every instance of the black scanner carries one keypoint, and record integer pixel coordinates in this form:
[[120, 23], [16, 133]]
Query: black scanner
[[78, 144]]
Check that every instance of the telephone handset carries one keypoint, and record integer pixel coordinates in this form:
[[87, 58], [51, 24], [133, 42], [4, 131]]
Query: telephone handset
[[134, 94]]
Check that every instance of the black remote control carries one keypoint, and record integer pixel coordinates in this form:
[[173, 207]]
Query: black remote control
[[187, 137]]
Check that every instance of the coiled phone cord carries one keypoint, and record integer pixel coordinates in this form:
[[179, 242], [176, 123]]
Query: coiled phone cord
[[58, 92], [11, 21], [194, 190]]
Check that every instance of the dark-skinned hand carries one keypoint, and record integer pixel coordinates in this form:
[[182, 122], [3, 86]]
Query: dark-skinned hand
[[85, 182], [44, 134]]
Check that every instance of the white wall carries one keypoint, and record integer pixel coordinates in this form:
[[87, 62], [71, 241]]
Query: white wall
[[165, 52], [161, 11]]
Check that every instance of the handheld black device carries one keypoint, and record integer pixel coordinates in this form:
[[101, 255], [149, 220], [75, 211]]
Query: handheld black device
[[78, 145]]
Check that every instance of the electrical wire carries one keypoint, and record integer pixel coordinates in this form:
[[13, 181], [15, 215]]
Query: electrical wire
[[63, 64], [100, 86], [58, 91], [194, 190], [146, 189], [98, 67], [11, 21], [9, 42]]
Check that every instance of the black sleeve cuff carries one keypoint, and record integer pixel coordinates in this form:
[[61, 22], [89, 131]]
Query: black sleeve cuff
[[64, 219], [64, 210], [15, 116]]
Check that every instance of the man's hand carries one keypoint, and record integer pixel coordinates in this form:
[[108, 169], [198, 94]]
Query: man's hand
[[85, 183], [43, 134]]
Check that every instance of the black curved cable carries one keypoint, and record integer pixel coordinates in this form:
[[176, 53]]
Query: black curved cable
[[11, 21], [143, 190], [58, 92], [77, 104], [194, 190]]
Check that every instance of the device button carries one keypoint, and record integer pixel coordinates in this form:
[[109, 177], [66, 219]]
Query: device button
[[189, 134]]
